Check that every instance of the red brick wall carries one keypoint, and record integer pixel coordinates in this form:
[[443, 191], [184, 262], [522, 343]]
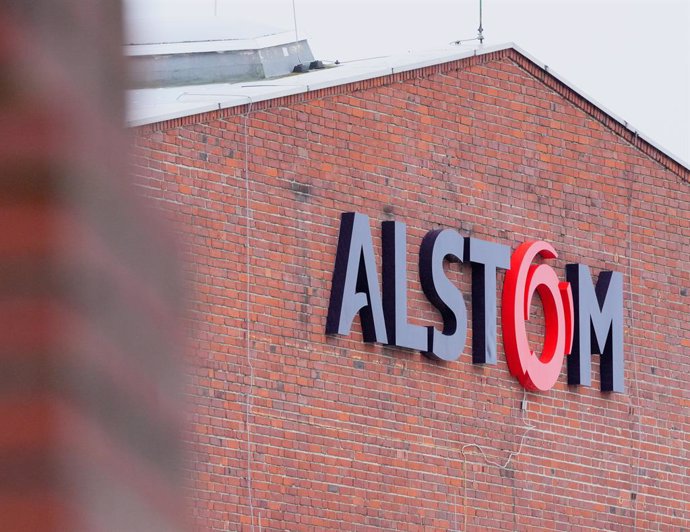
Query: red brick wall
[[294, 430], [89, 408]]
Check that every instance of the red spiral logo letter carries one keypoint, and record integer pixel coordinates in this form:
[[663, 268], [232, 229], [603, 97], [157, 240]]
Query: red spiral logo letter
[[536, 372]]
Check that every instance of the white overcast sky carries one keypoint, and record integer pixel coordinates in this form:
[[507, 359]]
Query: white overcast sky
[[630, 56]]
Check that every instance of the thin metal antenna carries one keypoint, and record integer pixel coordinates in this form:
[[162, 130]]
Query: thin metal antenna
[[480, 30], [294, 19]]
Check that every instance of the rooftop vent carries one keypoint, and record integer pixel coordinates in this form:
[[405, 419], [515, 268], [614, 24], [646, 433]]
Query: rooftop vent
[[202, 50]]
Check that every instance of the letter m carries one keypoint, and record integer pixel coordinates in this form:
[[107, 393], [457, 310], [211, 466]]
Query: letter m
[[598, 327]]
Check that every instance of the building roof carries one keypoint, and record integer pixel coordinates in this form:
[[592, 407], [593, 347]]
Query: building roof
[[150, 106], [210, 45], [195, 27]]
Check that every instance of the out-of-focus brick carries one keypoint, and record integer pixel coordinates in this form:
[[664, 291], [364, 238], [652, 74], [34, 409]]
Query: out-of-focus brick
[[89, 297]]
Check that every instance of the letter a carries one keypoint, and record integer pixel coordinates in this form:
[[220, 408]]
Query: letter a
[[355, 286]]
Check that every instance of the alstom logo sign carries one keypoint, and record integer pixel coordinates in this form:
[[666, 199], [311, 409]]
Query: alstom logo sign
[[580, 318]]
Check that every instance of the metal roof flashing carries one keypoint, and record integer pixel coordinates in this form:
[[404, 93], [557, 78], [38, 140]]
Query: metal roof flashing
[[212, 45], [149, 106]]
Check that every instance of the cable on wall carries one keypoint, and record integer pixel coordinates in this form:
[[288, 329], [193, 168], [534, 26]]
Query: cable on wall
[[512, 454], [481, 449], [249, 396], [633, 359]]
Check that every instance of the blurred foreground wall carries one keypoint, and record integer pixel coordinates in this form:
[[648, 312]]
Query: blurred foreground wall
[[88, 416]]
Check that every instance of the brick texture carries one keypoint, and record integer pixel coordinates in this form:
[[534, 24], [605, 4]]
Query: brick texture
[[294, 430], [88, 289]]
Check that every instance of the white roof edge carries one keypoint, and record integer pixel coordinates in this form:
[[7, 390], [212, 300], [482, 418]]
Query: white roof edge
[[293, 88], [237, 99], [627, 125]]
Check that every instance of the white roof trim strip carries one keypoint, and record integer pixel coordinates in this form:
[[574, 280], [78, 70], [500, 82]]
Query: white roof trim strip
[[224, 45]]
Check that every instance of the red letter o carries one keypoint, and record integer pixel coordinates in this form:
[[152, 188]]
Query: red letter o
[[536, 372]]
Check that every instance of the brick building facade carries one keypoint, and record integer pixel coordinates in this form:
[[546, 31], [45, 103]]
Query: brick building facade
[[296, 430]]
